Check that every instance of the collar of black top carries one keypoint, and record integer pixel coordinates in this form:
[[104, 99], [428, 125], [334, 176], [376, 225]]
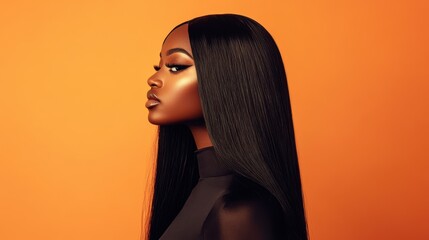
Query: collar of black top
[[208, 164]]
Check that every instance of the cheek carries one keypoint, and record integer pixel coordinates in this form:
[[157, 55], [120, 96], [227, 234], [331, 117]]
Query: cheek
[[180, 102], [184, 92]]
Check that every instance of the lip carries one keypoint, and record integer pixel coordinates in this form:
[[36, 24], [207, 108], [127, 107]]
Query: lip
[[151, 95], [151, 103], [153, 100]]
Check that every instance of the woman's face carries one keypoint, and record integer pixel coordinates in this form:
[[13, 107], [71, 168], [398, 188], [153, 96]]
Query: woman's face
[[174, 83]]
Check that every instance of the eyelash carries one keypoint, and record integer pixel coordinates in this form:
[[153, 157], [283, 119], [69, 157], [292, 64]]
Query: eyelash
[[179, 67]]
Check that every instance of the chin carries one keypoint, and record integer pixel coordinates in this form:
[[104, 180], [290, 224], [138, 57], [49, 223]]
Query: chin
[[155, 121], [161, 121], [156, 118]]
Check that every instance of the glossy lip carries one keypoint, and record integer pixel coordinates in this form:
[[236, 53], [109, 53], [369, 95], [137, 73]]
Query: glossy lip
[[152, 95], [152, 101]]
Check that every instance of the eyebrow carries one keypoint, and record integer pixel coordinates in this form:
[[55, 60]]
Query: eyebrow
[[181, 50]]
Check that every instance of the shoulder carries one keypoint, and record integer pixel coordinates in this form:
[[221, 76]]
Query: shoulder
[[243, 215]]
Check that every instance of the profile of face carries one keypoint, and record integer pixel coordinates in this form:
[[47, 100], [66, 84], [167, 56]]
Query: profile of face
[[173, 97]]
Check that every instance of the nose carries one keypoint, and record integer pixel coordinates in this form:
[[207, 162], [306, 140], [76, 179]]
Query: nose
[[154, 82]]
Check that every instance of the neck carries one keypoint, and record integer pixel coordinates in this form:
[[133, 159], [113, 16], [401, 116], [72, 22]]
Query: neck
[[201, 136]]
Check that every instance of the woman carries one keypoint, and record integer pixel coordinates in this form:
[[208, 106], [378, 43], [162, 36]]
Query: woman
[[227, 165]]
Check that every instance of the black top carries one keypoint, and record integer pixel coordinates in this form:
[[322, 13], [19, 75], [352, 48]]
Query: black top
[[224, 206]]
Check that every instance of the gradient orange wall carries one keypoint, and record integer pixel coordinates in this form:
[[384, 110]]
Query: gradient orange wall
[[76, 147]]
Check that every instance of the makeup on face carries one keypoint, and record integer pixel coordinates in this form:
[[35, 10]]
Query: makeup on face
[[175, 65], [173, 97]]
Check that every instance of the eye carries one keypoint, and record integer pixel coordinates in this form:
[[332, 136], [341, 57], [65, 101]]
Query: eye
[[156, 67], [176, 68]]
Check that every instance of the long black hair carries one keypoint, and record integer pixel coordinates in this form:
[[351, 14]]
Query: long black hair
[[246, 107]]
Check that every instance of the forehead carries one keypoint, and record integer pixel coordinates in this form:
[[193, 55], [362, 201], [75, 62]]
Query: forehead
[[178, 38]]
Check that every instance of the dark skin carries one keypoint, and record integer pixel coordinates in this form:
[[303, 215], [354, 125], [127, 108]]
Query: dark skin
[[176, 87]]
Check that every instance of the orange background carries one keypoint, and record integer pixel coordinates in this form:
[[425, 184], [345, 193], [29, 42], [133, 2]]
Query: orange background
[[76, 146]]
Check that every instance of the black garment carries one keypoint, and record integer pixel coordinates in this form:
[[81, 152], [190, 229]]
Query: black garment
[[224, 206]]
